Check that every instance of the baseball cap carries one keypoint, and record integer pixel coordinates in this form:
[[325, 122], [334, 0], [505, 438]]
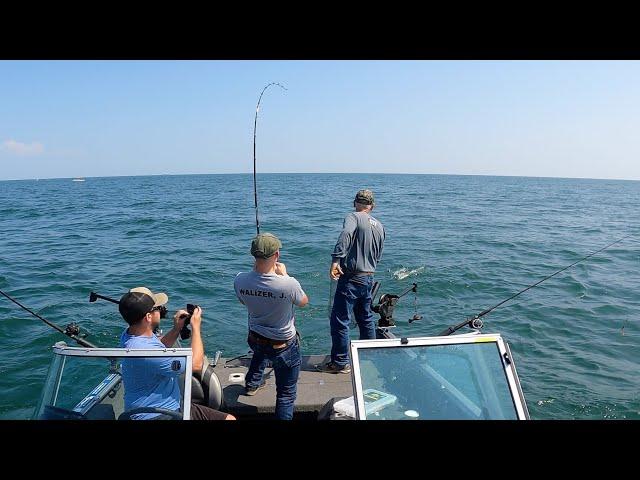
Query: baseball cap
[[265, 245], [139, 301], [365, 197]]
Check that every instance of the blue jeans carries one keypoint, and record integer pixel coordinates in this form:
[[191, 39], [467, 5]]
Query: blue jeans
[[286, 365], [352, 292]]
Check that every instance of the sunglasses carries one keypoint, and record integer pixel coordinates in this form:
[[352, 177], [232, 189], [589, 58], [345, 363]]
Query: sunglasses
[[162, 309]]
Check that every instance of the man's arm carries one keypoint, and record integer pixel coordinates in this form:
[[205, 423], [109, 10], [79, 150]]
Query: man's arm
[[303, 301], [196, 340], [345, 239], [298, 297], [235, 288], [384, 236], [343, 245], [281, 269], [171, 336]]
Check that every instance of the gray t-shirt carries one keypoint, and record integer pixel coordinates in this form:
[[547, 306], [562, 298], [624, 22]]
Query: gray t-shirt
[[360, 243], [269, 299]]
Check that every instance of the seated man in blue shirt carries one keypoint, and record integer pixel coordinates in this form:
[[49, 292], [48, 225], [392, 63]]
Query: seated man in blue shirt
[[154, 382]]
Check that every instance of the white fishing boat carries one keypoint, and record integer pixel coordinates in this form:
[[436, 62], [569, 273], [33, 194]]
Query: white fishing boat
[[459, 377], [470, 376]]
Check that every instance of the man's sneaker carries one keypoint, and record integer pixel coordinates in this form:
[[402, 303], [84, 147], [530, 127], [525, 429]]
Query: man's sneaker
[[251, 391], [331, 367]]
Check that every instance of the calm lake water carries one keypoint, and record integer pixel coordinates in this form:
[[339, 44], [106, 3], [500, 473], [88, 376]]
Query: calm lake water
[[468, 241]]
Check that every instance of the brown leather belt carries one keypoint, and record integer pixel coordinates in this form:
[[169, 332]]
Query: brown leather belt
[[260, 340]]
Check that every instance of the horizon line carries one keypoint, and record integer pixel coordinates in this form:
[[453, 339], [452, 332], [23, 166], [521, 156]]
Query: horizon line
[[321, 173]]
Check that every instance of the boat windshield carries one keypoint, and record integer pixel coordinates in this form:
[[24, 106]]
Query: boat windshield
[[436, 378], [86, 383]]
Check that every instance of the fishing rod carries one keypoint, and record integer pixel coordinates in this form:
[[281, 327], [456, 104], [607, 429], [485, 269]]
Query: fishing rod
[[72, 330], [475, 322], [93, 296], [184, 333], [255, 124]]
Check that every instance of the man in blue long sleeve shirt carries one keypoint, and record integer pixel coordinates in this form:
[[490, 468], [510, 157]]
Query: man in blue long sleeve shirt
[[354, 261]]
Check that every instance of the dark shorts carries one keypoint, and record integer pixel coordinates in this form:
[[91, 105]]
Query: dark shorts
[[200, 412]]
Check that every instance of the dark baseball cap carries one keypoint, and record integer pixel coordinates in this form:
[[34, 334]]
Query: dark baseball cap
[[265, 245], [139, 301], [365, 197]]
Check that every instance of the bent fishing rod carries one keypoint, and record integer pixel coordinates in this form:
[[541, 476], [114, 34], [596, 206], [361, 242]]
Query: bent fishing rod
[[71, 331], [475, 322], [255, 124]]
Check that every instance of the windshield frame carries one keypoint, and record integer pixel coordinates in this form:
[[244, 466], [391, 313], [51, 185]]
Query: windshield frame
[[61, 351], [506, 359]]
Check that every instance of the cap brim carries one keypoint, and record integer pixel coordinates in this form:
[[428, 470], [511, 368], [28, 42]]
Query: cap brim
[[160, 299]]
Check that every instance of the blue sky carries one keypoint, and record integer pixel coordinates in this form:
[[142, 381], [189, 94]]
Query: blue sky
[[531, 118]]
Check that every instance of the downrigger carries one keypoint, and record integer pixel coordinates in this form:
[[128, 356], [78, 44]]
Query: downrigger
[[387, 303]]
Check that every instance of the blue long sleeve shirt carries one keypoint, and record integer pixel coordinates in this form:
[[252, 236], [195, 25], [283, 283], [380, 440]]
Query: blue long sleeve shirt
[[360, 243]]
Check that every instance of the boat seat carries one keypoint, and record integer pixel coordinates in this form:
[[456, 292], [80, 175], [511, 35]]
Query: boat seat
[[206, 389]]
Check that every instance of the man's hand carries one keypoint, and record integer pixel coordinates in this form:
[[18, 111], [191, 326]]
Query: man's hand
[[281, 269], [335, 271], [178, 322], [196, 318], [178, 319]]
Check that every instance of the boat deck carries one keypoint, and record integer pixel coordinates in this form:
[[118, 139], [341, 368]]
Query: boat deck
[[315, 389]]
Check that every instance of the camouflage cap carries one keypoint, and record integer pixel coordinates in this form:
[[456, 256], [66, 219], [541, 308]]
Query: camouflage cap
[[365, 197], [265, 245]]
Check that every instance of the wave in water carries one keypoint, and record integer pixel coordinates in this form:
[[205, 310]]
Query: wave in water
[[404, 272]]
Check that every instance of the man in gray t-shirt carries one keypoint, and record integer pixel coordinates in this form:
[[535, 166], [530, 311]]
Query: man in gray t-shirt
[[270, 299], [270, 295]]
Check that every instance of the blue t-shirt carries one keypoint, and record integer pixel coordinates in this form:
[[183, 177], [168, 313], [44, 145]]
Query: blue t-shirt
[[150, 382]]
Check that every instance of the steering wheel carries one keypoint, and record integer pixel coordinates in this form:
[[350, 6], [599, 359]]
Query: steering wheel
[[172, 413]]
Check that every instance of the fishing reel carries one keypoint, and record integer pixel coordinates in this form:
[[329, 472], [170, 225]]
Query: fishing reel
[[387, 303], [73, 329]]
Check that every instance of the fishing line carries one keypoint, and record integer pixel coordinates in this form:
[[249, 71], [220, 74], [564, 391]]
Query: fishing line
[[624, 324], [255, 124], [475, 322], [244, 355], [332, 292]]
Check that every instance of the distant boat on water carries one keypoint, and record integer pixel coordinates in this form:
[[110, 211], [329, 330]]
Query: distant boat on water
[[79, 179]]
